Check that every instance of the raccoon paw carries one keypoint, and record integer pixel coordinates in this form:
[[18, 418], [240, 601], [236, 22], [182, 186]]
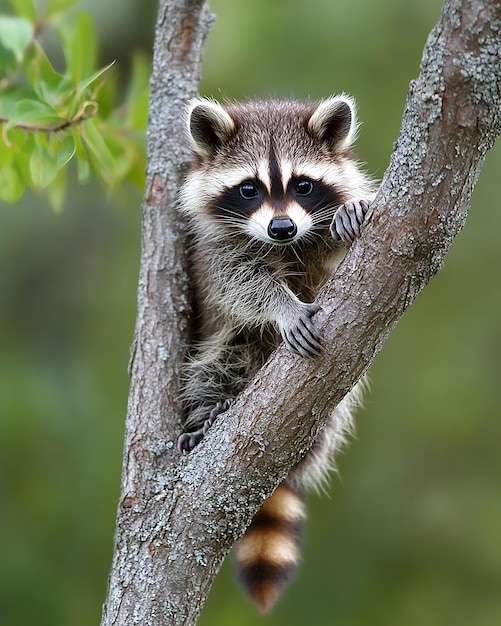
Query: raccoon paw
[[348, 221], [302, 336], [220, 407], [187, 441]]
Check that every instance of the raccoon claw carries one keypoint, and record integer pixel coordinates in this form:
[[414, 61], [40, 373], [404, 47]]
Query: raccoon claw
[[304, 337], [220, 407], [187, 441], [348, 221]]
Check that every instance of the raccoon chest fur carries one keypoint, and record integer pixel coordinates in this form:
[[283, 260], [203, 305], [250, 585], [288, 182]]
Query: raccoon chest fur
[[273, 198], [224, 277]]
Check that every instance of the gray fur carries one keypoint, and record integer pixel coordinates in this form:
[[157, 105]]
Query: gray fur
[[253, 291]]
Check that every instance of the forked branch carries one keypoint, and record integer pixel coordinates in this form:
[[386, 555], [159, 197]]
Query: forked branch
[[179, 516]]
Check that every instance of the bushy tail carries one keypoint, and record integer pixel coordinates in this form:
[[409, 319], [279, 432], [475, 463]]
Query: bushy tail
[[269, 552]]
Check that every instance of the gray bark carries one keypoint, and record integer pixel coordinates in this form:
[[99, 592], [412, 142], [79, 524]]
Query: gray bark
[[179, 516]]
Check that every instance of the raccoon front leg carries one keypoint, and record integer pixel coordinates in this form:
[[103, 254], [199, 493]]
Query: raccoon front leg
[[348, 221], [253, 295], [301, 335]]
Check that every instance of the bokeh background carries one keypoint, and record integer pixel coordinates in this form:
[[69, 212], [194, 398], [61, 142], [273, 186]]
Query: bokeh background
[[410, 534]]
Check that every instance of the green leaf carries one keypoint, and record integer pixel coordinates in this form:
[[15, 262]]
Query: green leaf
[[81, 94], [80, 45], [130, 159], [122, 157], [50, 154], [64, 149], [23, 144], [34, 113], [15, 35], [10, 98], [106, 96], [100, 157], [49, 85], [8, 64], [81, 156], [25, 8], [83, 171], [88, 80], [6, 154], [11, 185], [56, 191], [53, 7], [43, 165]]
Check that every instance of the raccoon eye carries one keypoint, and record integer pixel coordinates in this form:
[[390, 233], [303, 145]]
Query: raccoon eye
[[303, 187], [248, 190]]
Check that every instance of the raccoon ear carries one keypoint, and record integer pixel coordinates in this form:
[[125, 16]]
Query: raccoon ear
[[334, 123], [209, 126]]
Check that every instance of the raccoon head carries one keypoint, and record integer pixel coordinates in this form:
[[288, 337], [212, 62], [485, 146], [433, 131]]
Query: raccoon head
[[275, 171]]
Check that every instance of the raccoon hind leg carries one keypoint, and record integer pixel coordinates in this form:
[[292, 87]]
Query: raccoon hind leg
[[187, 441], [218, 371]]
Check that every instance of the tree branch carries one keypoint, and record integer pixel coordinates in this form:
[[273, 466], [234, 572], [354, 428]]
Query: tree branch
[[178, 517], [140, 594]]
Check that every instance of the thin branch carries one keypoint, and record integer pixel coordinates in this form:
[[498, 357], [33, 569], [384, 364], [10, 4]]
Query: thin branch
[[162, 327], [86, 112]]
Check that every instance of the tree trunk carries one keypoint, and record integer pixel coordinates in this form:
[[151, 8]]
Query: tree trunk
[[179, 516]]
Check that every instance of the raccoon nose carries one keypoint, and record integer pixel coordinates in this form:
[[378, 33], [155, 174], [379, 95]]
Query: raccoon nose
[[282, 229]]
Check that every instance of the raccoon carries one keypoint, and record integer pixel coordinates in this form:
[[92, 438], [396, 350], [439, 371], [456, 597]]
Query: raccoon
[[273, 197]]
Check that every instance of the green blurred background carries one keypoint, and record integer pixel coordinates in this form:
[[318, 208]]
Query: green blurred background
[[411, 532]]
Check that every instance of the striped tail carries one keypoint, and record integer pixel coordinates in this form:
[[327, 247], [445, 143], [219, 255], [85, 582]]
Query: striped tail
[[269, 552]]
